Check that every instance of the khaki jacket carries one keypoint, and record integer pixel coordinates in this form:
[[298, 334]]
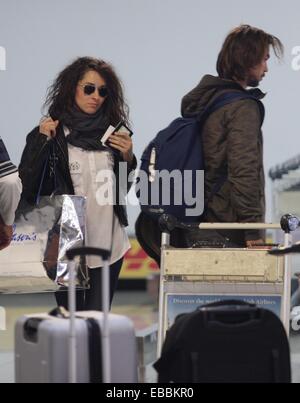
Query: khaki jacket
[[233, 148]]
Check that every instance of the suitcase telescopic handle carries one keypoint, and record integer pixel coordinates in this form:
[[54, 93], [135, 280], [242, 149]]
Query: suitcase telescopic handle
[[106, 365], [87, 251]]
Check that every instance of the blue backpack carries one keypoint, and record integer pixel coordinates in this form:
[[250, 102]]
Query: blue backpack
[[172, 166]]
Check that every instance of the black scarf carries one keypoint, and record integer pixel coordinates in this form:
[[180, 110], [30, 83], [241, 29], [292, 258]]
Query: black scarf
[[86, 130]]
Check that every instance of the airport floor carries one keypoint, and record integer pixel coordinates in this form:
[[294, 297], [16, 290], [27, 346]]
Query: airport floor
[[140, 306]]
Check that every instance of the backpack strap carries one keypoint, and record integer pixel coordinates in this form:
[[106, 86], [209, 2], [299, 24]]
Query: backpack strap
[[51, 160], [227, 98], [38, 196]]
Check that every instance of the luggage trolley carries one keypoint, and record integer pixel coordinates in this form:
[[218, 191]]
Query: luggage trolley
[[193, 277]]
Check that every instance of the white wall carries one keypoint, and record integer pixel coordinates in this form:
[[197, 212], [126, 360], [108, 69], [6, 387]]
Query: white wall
[[160, 48]]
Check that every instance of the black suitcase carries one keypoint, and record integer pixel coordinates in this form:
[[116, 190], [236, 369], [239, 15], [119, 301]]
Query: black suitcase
[[226, 342]]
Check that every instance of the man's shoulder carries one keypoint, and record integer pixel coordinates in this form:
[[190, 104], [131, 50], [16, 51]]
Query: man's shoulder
[[244, 112], [243, 101], [244, 106]]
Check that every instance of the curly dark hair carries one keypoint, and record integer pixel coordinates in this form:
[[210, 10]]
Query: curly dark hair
[[244, 48], [60, 96]]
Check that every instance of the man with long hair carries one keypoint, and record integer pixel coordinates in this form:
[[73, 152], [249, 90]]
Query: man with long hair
[[231, 136], [10, 190]]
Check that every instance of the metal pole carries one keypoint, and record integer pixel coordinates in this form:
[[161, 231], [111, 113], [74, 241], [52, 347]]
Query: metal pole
[[106, 364], [165, 242], [287, 285], [72, 329], [165, 239]]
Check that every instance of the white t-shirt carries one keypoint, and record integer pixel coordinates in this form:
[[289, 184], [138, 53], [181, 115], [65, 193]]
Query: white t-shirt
[[89, 172]]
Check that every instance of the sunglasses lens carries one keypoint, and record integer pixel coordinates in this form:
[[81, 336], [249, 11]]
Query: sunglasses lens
[[103, 92], [88, 89]]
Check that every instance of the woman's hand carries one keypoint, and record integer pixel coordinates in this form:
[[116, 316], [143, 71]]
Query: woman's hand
[[122, 141], [48, 127]]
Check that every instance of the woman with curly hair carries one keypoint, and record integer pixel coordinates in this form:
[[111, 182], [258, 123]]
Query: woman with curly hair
[[84, 100]]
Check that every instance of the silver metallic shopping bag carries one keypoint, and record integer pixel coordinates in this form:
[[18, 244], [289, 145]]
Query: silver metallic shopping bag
[[35, 261]]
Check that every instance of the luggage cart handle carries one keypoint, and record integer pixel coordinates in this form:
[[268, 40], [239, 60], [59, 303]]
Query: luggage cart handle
[[288, 223], [285, 250], [87, 250], [241, 226]]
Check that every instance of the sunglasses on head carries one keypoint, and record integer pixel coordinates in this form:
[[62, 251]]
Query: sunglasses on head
[[89, 89]]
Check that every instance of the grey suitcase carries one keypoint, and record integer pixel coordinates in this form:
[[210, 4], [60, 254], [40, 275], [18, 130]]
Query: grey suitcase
[[58, 349], [41, 349]]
